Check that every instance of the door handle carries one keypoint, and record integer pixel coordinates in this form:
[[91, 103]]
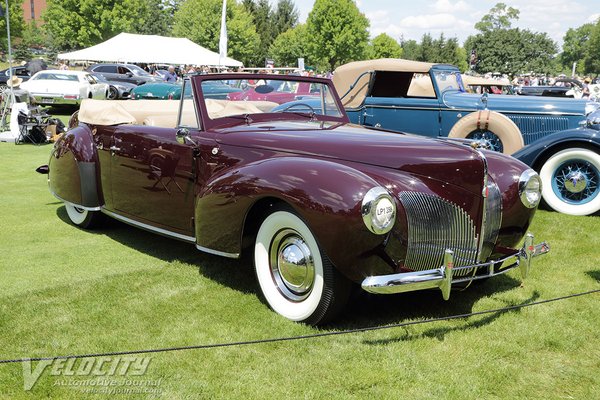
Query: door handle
[[114, 148]]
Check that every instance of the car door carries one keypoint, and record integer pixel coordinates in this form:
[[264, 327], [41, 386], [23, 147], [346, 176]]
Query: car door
[[97, 89], [153, 175]]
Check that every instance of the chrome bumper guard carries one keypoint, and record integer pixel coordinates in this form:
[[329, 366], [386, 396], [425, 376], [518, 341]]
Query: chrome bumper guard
[[442, 277]]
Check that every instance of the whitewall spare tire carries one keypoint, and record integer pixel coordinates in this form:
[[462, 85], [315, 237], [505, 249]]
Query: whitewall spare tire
[[571, 181], [497, 130], [296, 278]]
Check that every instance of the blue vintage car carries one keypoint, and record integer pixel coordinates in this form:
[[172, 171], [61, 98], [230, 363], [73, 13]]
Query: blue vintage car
[[558, 137]]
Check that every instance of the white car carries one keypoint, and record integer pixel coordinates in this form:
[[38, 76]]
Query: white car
[[52, 86]]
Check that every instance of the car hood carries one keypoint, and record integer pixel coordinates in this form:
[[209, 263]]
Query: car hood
[[437, 159], [513, 103]]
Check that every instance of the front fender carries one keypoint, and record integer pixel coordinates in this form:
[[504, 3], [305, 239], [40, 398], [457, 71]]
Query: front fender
[[326, 195], [74, 169], [536, 153]]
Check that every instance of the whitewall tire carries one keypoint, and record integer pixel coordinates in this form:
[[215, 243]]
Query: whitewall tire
[[82, 218], [296, 278], [571, 181], [497, 130]]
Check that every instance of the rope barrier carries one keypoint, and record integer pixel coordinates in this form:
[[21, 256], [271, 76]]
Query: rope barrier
[[301, 337]]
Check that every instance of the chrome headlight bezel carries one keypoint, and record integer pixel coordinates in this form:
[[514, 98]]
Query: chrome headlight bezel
[[530, 188], [378, 210], [593, 120], [590, 107]]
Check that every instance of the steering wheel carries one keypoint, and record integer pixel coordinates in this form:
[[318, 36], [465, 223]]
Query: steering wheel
[[312, 110]]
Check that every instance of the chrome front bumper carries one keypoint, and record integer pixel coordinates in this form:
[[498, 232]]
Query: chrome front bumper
[[442, 277]]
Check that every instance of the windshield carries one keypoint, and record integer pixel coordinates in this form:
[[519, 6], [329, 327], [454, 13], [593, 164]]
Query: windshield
[[448, 80], [243, 97], [137, 70]]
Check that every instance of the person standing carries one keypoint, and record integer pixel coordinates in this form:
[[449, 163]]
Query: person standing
[[171, 76]]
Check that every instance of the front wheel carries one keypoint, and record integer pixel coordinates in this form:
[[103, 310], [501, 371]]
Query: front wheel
[[82, 218], [571, 181], [296, 278]]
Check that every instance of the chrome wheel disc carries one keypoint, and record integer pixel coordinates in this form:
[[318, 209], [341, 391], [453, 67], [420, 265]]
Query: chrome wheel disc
[[292, 265], [576, 182]]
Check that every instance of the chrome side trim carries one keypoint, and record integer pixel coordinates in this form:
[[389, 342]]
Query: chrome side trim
[[470, 110], [150, 228], [444, 277], [75, 205], [217, 252]]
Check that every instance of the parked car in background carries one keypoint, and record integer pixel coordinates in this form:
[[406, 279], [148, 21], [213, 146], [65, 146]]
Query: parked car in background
[[20, 71], [130, 73], [116, 90], [563, 87], [172, 91], [320, 203], [272, 90], [480, 85], [64, 87], [429, 99]]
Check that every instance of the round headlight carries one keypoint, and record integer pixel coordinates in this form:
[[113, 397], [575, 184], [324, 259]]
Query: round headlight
[[530, 188], [378, 211]]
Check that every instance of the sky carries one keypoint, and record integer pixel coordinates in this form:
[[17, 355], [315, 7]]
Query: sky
[[456, 18]]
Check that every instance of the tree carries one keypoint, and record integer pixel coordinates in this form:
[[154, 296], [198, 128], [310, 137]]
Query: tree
[[427, 50], [591, 59], [503, 49], [289, 46], [410, 49], [200, 21], [337, 32], [286, 16], [73, 24], [262, 16], [499, 17], [512, 51], [384, 46], [17, 23], [575, 47]]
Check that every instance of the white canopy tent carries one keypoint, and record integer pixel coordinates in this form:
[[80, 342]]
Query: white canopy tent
[[150, 49]]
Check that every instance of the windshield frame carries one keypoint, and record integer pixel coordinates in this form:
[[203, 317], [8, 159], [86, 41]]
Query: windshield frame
[[209, 123]]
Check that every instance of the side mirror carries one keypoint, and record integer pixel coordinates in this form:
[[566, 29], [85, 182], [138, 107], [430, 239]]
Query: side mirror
[[129, 74]]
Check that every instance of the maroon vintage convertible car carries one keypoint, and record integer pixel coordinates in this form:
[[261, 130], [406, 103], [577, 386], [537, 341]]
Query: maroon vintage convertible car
[[321, 203]]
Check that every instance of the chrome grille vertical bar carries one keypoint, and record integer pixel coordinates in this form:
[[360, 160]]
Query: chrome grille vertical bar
[[434, 225]]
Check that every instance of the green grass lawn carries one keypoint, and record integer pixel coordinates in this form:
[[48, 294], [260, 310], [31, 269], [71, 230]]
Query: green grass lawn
[[64, 291]]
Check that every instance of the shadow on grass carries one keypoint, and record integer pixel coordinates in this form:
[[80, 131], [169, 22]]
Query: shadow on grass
[[235, 274], [363, 310], [441, 332], [594, 274]]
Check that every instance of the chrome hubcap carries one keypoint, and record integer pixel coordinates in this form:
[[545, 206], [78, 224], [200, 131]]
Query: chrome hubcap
[[292, 265], [576, 182]]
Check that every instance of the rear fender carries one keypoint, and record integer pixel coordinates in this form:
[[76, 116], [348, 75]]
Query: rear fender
[[74, 169]]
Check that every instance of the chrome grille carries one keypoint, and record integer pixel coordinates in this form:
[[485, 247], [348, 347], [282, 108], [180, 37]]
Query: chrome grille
[[434, 225], [534, 128], [491, 222]]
